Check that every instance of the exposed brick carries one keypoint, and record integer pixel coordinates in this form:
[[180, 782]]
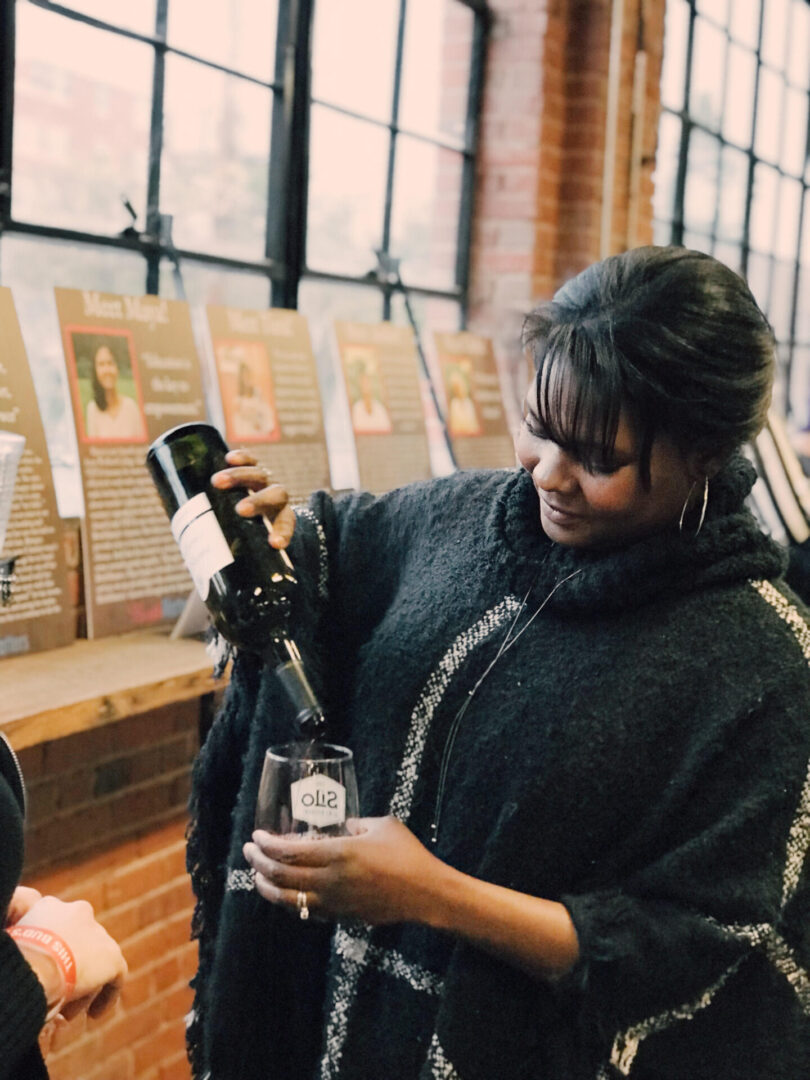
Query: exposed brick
[[175, 1068], [167, 1042]]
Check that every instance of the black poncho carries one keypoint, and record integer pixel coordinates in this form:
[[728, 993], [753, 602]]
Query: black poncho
[[641, 754]]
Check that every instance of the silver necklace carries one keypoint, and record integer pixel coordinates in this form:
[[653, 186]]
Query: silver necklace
[[509, 640]]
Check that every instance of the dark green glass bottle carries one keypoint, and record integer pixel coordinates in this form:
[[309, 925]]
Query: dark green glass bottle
[[247, 586]]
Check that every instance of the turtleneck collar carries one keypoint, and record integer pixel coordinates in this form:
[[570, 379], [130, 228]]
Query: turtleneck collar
[[730, 548]]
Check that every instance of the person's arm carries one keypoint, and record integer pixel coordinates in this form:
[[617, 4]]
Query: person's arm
[[23, 1005], [725, 876], [383, 874]]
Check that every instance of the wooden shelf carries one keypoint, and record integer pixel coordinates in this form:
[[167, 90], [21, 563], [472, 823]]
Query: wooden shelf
[[51, 694]]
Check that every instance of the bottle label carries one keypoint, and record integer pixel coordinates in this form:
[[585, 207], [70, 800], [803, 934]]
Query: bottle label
[[319, 800], [202, 544]]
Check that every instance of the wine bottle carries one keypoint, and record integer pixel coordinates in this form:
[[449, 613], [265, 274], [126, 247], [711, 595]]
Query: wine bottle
[[246, 585]]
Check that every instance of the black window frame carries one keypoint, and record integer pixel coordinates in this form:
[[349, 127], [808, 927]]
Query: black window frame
[[284, 261], [679, 226]]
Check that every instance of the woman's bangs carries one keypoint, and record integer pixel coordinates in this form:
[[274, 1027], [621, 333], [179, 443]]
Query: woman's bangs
[[579, 399]]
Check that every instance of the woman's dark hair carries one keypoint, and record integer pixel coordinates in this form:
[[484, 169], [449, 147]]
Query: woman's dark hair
[[670, 336], [99, 396]]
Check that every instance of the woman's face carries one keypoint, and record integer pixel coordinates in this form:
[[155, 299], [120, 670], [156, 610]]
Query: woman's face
[[605, 506], [106, 368]]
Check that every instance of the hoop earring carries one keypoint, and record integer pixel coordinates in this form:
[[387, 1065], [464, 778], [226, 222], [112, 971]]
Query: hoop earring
[[702, 509], [685, 504], [705, 504]]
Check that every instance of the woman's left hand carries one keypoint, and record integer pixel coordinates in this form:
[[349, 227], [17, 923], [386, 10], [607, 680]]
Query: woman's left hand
[[380, 873]]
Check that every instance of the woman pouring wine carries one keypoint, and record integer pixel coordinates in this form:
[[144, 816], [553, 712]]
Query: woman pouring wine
[[577, 693]]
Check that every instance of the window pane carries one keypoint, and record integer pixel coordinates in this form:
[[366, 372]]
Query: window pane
[[794, 131], [787, 218], [781, 303], [137, 15], [744, 21], [666, 166], [662, 232], [763, 207], [348, 163], [759, 277], [239, 34], [431, 314], [436, 67], [733, 192], [322, 302], [730, 254], [714, 9], [31, 268], [774, 32], [700, 197], [769, 115], [708, 58], [739, 108], [798, 65], [424, 216], [803, 307], [697, 241], [799, 395], [676, 33], [206, 284], [347, 69], [215, 160], [81, 123]]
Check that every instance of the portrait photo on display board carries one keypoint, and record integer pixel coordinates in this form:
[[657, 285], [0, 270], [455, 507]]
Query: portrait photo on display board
[[105, 384], [368, 411], [462, 413], [246, 386]]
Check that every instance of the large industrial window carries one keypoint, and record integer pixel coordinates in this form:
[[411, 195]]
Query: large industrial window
[[272, 145], [732, 169]]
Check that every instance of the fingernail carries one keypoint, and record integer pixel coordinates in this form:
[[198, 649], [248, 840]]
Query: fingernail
[[245, 506]]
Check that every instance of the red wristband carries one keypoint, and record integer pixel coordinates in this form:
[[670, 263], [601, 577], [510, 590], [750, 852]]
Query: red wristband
[[43, 941]]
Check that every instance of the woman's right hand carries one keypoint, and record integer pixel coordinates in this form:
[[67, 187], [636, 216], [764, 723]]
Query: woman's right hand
[[268, 499], [100, 964]]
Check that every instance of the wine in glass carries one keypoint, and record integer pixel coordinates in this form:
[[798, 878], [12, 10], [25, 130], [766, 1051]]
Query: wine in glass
[[308, 789]]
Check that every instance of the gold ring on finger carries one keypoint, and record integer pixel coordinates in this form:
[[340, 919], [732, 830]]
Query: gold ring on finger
[[301, 904]]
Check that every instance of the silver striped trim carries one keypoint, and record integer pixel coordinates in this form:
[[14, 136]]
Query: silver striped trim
[[764, 936], [421, 717], [342, 1001], [432, 694], [440, 1067], [626, 1045], [783, 959], [323, 556], [240, 881], [359, 950]]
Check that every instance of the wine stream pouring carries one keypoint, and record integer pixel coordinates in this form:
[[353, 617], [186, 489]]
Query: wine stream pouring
[[246, 585]]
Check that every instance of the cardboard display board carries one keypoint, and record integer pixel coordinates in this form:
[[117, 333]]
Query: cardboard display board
[[474, 409], [40, 614], [138, 353], [268, 384], [381, 371]]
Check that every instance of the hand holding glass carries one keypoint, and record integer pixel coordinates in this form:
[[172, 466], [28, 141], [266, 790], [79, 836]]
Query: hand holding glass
[[307, 789]]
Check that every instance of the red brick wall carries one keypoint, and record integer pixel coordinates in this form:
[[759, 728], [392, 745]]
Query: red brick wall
[[107, 811], [539, 193]]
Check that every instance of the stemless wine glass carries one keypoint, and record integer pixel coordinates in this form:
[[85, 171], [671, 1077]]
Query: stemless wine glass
[[307, 789]]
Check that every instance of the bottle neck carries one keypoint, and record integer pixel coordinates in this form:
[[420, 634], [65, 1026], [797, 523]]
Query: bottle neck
[[282, 655]]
